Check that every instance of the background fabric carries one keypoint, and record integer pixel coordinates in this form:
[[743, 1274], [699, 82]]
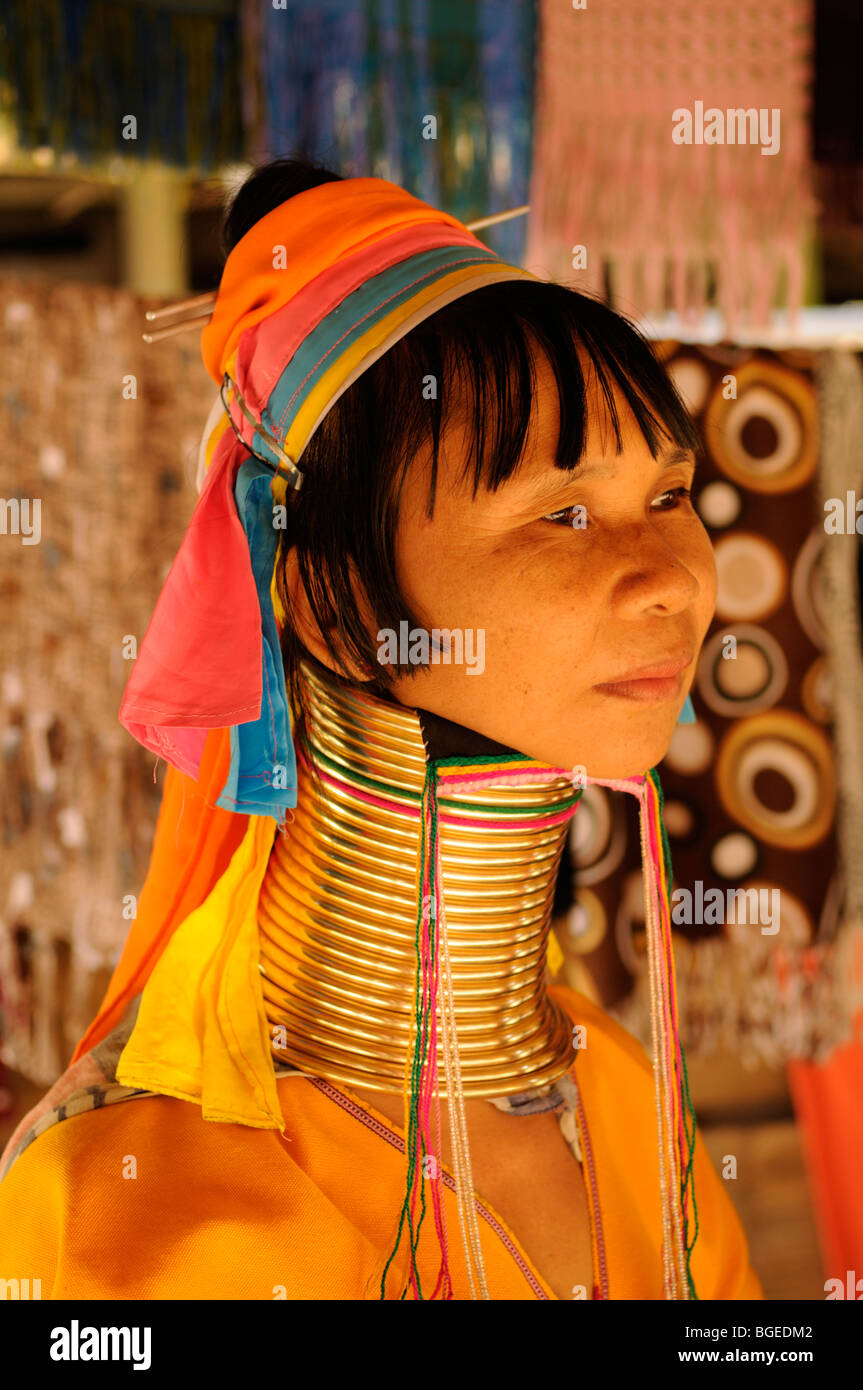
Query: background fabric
[[751, 788], [102, 430], [76, 74], [353, 85], [664, 225]]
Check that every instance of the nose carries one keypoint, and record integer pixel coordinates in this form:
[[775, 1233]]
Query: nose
[[652, 578]]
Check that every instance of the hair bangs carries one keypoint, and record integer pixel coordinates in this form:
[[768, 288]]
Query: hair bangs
[[482, 353]]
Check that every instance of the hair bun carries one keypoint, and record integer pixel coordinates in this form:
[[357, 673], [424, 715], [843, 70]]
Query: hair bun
[[267, 186]]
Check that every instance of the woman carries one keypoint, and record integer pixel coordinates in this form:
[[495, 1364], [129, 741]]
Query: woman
[[445, 506]]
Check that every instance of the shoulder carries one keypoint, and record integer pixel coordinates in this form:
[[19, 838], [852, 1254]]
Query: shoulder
[[87, 1085], [51, 1172]]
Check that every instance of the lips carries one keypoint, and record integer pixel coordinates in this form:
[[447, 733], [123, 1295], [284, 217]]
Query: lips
[[650, 684]]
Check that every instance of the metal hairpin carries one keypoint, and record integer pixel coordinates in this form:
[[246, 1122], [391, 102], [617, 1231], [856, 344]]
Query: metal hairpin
[[286, 468], [200, 307]]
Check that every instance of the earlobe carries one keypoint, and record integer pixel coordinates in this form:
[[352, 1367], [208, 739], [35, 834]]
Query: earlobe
[[305, 624]]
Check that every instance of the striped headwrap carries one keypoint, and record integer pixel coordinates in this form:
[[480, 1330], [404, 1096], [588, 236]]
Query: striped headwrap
[[314, 293]]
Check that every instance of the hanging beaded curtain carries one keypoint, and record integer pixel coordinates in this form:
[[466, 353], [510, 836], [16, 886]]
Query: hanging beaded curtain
[[436, 96], [142, 78], [674, 225], [763, 804], [100, 438]]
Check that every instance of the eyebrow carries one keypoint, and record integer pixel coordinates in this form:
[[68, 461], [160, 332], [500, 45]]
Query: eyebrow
[[548, 485]]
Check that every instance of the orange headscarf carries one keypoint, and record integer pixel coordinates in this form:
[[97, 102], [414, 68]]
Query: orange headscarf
[[384, 260]]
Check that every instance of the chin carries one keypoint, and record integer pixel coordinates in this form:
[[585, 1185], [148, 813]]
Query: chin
[[619, 769], [629, 758]]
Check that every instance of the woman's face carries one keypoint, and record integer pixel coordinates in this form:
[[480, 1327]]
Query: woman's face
[[561, 614]]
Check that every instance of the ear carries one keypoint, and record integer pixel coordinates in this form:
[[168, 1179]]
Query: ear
[[306, 626]]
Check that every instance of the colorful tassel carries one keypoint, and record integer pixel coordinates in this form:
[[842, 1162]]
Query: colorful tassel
[[675, 1115], [421, 1070], [434, 996], [434, 983]]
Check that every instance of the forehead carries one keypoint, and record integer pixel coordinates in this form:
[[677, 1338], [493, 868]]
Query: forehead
[[600, 436], [511, 418], [538, 457]]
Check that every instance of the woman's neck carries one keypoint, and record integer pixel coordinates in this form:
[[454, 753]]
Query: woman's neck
[[340, 904]]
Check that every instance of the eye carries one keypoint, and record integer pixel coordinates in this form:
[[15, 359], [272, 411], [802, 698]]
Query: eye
[[574, 516], [677, 495]]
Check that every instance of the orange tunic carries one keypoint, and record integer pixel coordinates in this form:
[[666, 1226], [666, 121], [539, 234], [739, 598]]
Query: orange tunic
[[147, 1199]]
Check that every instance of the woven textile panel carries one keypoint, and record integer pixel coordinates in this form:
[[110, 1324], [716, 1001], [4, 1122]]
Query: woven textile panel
[[671, 143], [763, 789], [100, 436], [437, 97]]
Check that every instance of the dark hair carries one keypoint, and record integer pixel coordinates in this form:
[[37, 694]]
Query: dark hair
[[481, 351]]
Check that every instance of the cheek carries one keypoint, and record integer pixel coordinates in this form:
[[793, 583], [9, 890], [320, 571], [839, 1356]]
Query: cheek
[[697, 554], [707, 578]]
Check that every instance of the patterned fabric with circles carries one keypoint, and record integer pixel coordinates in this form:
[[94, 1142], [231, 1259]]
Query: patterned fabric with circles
[[751, 786]]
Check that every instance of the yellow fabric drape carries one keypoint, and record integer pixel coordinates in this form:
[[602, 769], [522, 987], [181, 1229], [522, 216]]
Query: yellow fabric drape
[[143, 1199], [202, 1033]]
